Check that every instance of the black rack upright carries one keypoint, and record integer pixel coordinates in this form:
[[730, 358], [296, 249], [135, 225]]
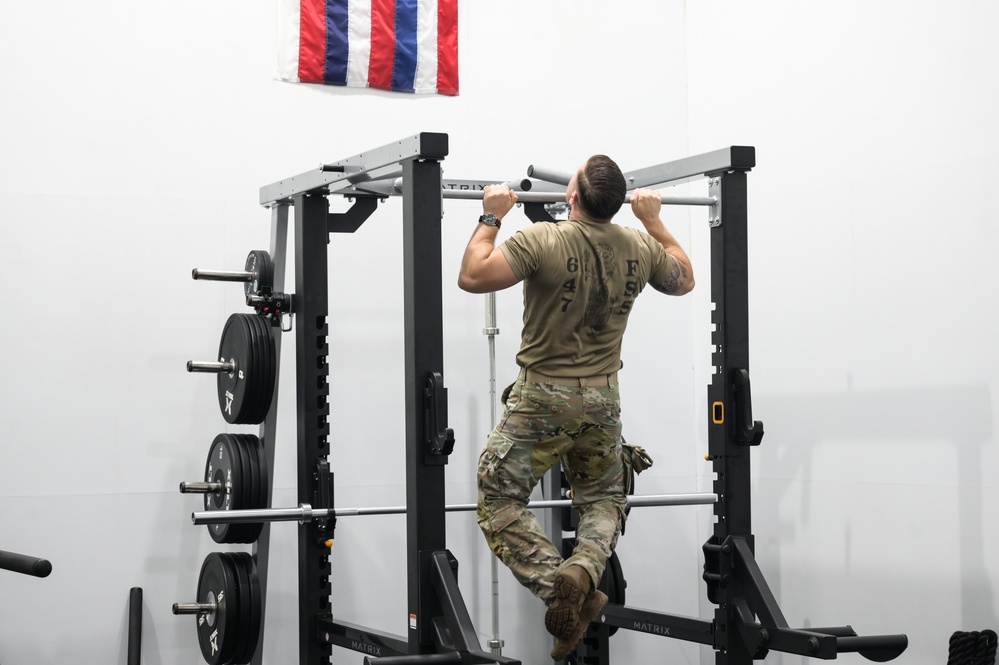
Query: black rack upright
[[438, 620]]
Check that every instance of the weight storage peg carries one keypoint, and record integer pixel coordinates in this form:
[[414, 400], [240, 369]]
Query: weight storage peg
[[246, 369], [235, 479], [257, 275], [228, 607], [258, 285], [260, 294]]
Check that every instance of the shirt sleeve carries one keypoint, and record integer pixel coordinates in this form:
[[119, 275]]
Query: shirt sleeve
[[525, 249]]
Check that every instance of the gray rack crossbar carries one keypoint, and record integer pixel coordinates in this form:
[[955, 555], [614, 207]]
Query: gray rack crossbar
[[359, 168], [733, 158]]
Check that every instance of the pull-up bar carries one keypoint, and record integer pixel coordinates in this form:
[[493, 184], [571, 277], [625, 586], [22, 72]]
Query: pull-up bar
[[563, 178], [547, 197], [559, 197]]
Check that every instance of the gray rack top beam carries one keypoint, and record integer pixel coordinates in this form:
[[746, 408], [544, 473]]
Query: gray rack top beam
[[374, 172], [733, 158], [366, 166]]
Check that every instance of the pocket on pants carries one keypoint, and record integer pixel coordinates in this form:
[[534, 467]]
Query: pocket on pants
[[502, 518], [492, 456]]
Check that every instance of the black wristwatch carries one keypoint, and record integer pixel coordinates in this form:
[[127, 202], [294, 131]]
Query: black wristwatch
[[490, 220]]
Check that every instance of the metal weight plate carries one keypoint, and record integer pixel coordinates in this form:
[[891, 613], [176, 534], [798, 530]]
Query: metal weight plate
[[270, 361], [245, 396], [256, 450], [242, 491], [258, 447], [254, 483], [252, 410], [235, 346], [215, 629], [267, 369], [251, 487], [250, 606], [264, 383], [224, 467], [259, 261], [239, 607]]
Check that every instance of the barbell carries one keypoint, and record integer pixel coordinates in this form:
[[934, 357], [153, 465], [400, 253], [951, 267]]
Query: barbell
[[305, 512]]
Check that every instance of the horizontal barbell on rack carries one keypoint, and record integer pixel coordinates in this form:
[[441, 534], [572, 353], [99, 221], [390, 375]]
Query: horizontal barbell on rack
[[304, 512]]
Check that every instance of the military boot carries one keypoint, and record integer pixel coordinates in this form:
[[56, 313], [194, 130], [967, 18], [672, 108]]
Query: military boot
[[572, 585], [591, 608]]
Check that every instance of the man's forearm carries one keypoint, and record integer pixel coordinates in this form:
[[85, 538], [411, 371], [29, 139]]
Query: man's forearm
[[671, 247]]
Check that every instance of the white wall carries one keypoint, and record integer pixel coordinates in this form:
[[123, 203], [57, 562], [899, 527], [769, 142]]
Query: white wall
[[134, 139], [872, 247]]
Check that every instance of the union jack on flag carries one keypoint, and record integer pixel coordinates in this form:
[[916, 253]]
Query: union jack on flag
[[401, 45]]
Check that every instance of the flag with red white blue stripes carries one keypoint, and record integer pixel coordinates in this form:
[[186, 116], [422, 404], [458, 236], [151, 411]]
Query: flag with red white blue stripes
[[401, 45]]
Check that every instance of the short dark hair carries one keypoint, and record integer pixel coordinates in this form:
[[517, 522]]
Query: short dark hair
[[602, 187]]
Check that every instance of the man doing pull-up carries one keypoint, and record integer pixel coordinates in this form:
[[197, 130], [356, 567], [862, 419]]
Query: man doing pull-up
[[581, 278]]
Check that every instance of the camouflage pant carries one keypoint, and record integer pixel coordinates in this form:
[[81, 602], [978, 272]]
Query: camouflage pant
[[541, 425]]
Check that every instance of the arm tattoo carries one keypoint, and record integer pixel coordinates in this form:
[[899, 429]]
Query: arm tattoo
[[677, 276]]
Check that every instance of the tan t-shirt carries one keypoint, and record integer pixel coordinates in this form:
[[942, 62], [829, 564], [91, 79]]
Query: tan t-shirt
[[580, 282]]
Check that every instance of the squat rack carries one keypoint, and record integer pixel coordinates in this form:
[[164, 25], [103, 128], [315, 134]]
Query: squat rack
[[439, 621], [747, 622]]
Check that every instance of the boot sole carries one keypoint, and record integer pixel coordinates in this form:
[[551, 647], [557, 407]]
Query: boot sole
[[563, 615], [594, 604]]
